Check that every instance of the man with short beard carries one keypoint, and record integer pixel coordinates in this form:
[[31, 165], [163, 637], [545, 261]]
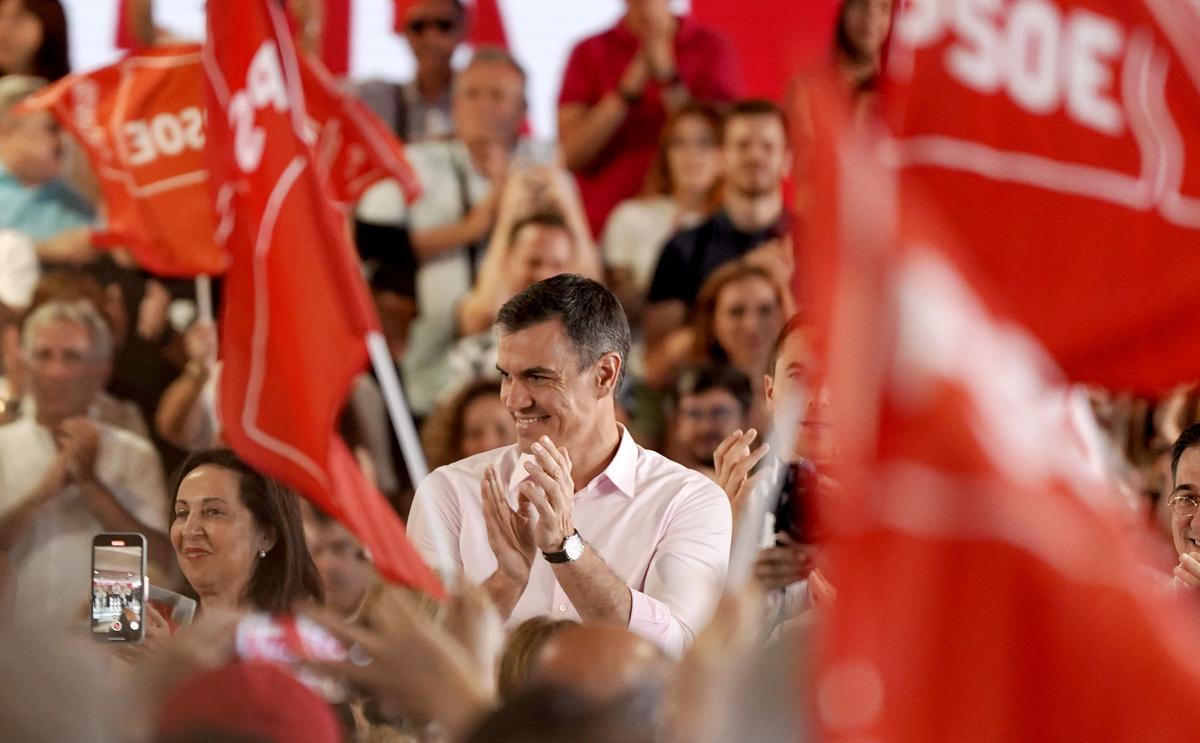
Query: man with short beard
[[751, 222], [625, 536], [711, 402]]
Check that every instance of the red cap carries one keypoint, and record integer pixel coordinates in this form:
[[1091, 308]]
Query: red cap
[[255, 698]]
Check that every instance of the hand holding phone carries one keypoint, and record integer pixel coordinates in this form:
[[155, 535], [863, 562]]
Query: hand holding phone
[[118, 587]]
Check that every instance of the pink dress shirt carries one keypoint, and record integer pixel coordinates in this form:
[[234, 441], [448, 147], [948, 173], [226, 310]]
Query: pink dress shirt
[[663, 529]]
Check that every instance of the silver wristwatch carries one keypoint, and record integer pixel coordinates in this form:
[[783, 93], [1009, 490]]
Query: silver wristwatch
[[572, 549]]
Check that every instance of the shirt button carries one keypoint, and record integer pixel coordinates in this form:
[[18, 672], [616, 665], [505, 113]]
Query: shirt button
[[562, 607]]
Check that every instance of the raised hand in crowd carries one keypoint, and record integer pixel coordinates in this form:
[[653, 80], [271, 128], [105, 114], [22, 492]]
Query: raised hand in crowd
[[734, 460], [79, 442], [152, 312], [413, 665]]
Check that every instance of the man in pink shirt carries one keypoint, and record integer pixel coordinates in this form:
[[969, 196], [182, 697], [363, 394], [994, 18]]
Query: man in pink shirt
[[576, 520]]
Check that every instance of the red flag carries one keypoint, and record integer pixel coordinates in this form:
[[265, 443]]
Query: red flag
[[1061, 142], [354, 148], [141, 124], [990, 586], [296, 311]]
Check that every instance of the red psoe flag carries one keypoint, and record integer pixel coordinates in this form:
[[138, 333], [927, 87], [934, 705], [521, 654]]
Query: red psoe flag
[[1060, 140], [990, 585], [296, 312], [141, 124]]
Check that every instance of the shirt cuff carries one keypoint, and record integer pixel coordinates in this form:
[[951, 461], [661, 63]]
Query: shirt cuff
[[652, 619]]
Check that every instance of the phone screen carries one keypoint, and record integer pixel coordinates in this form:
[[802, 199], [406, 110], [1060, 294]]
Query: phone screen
[[118, 587]]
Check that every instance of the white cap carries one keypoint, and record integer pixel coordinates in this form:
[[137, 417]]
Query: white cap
[[19, 271]]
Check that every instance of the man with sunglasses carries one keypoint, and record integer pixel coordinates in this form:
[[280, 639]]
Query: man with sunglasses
[[420, 109], [1183, 502]]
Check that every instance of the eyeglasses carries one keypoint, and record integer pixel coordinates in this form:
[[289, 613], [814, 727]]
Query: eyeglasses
[[418, 26], [1183, 505]]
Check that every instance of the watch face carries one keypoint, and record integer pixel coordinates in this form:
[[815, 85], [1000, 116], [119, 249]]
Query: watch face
[[573, 546]]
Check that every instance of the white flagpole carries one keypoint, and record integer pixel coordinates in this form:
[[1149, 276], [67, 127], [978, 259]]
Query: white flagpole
[[410, 443], [204, 303]]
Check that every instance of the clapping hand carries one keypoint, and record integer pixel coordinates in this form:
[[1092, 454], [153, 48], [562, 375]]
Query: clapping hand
[[551, 490], [510, 533]]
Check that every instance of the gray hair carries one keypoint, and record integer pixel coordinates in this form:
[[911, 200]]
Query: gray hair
[[592, 317], [78, 312], [497, 55], [16, 88]]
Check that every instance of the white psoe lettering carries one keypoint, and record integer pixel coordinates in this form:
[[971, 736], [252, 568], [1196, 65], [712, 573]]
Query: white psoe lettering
[[1042, 60], [264, 87]]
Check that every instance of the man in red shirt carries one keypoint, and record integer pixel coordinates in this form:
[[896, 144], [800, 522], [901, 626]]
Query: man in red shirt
[[617, 90]]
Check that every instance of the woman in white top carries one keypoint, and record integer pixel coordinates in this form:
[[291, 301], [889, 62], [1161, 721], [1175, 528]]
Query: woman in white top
[[681, 189]]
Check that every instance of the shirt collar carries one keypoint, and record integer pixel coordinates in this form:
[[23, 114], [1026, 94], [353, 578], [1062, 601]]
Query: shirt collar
[[621, 472]]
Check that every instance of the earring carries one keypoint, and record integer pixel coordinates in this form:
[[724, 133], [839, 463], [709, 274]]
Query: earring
[[262, 553]]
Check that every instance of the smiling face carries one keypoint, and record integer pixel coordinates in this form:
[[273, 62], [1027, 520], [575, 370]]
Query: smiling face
[[1185, 530], [746, 320], [486, 425], [547, 391], [215, 536]]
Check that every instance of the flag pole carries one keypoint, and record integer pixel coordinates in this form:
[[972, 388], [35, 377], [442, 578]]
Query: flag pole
[[204, 303], [406, 435], [397, 407]]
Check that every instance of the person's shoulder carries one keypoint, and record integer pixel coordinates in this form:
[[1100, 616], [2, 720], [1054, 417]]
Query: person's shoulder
[[16, 431], [126, 441], [660, 472], [472, 468], [597, 41]]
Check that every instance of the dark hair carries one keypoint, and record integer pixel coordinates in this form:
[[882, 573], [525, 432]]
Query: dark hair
[[753, 107], [700, 378], [1188, 439], [592, 317], [287, 574], [660, 181], [544, 218], [441, 434], [795, 324], [51, 60]]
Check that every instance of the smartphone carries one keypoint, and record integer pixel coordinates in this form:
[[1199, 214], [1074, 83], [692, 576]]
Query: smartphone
[[118, 587]]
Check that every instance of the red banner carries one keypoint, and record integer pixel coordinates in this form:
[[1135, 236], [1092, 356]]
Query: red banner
[[141, 124], [296, 311], [1061, 143]]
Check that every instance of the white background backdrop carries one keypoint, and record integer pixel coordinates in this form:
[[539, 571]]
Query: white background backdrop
[[540, 32]]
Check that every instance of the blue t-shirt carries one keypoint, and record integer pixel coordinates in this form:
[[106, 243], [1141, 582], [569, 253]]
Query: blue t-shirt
[[40, 211]]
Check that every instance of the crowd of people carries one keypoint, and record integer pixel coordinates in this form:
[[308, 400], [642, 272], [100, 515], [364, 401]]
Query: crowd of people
[[598, 340]]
